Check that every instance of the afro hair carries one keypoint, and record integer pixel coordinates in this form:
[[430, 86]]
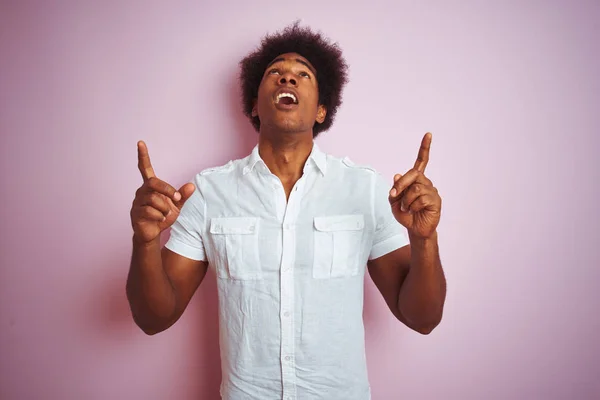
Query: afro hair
[[326, 57]]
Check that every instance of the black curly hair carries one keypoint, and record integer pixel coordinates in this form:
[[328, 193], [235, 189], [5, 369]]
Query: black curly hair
[[326, 57]]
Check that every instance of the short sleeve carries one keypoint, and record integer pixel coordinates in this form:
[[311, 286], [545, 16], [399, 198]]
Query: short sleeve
[[389, 233], [186, 232]]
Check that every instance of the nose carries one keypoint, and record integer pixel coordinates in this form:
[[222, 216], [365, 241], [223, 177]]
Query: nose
[[287, 78]]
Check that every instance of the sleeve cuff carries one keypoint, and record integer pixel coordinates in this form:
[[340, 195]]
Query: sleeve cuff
[[185, 250], [387, 246]]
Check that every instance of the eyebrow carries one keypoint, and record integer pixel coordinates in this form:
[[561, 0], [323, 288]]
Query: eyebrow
[[278, 59]]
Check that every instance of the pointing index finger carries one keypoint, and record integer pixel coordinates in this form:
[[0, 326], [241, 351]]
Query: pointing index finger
[[144, 164], [423, 157]]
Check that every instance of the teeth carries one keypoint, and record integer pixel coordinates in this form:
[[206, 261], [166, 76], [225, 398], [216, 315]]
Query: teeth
[[291, 96]]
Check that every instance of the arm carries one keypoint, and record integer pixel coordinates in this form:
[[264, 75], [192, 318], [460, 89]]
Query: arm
[[412, 283], [160, 285], [411, 278]]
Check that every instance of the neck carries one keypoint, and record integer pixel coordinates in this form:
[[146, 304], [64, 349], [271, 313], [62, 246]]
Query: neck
[[285, 154]]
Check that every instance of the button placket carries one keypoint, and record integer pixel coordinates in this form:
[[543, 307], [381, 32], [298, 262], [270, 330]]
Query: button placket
[[287, 294]]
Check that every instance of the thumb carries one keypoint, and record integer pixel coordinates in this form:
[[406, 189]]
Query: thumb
[[186, 192], [394, 190]]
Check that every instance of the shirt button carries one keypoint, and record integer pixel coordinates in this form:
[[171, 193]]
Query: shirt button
[[288, 358], [286, 314]]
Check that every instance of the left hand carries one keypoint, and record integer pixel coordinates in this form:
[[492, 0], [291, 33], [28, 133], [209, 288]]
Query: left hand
[[415, 202]]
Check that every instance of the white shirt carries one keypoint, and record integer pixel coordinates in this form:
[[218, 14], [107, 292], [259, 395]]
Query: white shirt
[[290, 273]]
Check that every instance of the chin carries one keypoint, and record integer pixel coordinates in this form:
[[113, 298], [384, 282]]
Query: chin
[[289, 126]]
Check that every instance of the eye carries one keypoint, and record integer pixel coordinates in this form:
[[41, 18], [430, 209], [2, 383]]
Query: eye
[[274, 72], [304, 74]]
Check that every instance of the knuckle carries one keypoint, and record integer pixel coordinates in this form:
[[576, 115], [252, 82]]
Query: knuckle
[[148, 211], [153, 182], [152, 198], [135, 216], [157, 200]]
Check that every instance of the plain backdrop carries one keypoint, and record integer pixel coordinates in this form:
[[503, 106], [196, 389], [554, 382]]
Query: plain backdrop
[[510, 91]]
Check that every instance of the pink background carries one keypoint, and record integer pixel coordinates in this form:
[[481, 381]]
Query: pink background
[[510, 91]]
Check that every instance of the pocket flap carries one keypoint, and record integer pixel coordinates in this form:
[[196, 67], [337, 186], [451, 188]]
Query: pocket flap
[[236, 225], [340, 223]]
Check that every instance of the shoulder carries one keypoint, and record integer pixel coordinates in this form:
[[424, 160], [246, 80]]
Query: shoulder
[[214, 175], [348, 163], [228, 168], [344, 169], [220, 169], [347, 166]]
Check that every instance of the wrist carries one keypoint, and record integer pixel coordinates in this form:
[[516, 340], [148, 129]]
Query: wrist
[[140, 243], [416, 240]]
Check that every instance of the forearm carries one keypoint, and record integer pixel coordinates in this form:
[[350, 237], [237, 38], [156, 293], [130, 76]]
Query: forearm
[[149, 290], [423, 292]]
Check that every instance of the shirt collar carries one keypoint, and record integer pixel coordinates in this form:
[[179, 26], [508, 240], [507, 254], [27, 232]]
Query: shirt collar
[[316, 157]]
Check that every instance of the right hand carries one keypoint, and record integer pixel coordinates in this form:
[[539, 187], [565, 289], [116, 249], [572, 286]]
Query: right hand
[[157, 204]]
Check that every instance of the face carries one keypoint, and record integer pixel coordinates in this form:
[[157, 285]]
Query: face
[[288, 96]]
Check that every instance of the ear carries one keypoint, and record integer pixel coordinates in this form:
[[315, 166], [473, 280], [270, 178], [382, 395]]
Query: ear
[[254, 110], [321, 113]]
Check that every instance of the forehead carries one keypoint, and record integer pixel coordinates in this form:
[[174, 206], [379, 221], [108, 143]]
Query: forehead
[[292, 58]]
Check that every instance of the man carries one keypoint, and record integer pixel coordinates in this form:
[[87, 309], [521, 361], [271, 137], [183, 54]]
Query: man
[[289, 231]]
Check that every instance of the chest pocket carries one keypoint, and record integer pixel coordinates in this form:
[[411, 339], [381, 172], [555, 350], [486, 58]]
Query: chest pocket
[[235, 243], [337, 245]]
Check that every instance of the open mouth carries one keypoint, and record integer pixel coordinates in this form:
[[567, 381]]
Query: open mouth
[[286, 99]]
